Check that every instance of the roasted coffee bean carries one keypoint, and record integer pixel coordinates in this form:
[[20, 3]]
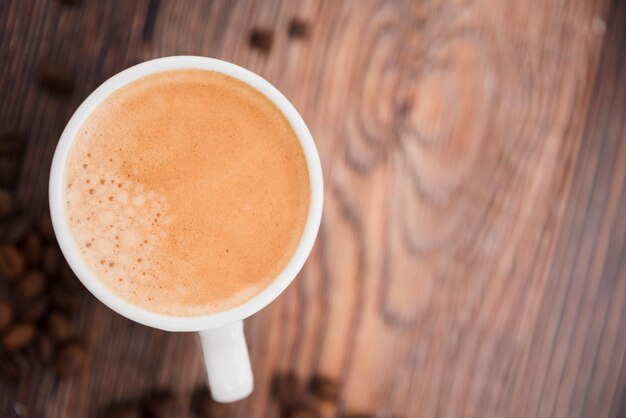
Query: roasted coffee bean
[[11, 140], [23, 362], [63, 299], [58, 326], [298, 28], [67, 276], [325, 388], [50, 259], [262, 39], [45, 227], [35, 309], [32, 248], [9, 369], [301, 409], [6, 314], [286, 388], [32, 354], [358, 415], [8, 171], [29, 286], [56, 80], [201, 402], [7, 203], [12, 263], [122, 411], [45, 348], [18, 336], [204, 406], [160, 404], [70, 359]]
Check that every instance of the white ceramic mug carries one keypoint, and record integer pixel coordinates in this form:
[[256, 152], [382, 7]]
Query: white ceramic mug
[[221, 334]]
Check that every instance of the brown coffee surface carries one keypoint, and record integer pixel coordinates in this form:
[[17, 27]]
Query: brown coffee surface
[[187, 192]]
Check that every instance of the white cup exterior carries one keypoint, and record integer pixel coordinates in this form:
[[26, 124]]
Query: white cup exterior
[[196, 323]]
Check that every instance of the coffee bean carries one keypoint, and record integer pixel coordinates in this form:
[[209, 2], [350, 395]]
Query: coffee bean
[[35, 309], [201, 402], [58, 326], [67, 276], [50, 258], [122, 411], [32, 354], [23, 363], [9, 368], [298, 28], [12, 262], [286, 388], [358, 415], [7, 203], [325, 388], [56, 80], [18, 336], [204, 406], [45, 348], [63, 300], [31, 285], [32, 248], [70, 359], [8, 172], [11, 140], [301, 409], [261, 39], [160, 404], [6, 314], [45, 227]]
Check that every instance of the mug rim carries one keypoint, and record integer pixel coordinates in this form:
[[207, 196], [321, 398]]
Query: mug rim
[[71, 251]]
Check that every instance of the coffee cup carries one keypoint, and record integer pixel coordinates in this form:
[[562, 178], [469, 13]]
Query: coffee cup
[[222, 333]]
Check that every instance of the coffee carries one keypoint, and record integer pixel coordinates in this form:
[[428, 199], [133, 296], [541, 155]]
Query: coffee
[[187, 192]]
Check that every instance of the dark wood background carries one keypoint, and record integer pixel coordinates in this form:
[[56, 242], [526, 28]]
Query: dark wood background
[[471, 259]]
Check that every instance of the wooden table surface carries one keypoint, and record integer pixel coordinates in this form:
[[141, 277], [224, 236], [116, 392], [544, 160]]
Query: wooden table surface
[[471, 259]]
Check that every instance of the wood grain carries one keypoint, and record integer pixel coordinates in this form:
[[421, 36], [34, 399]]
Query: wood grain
[[470, 261]]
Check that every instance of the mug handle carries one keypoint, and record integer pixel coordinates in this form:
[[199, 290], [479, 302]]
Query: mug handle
[[227, 362]]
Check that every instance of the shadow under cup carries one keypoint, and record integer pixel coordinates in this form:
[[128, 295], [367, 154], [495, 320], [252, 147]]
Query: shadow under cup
[[221, 333]]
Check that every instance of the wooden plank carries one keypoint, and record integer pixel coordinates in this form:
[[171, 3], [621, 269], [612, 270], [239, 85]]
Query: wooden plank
[[470, 260], [570, 343]]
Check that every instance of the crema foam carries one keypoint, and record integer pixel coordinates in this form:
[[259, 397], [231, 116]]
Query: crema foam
[[187, 192]]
